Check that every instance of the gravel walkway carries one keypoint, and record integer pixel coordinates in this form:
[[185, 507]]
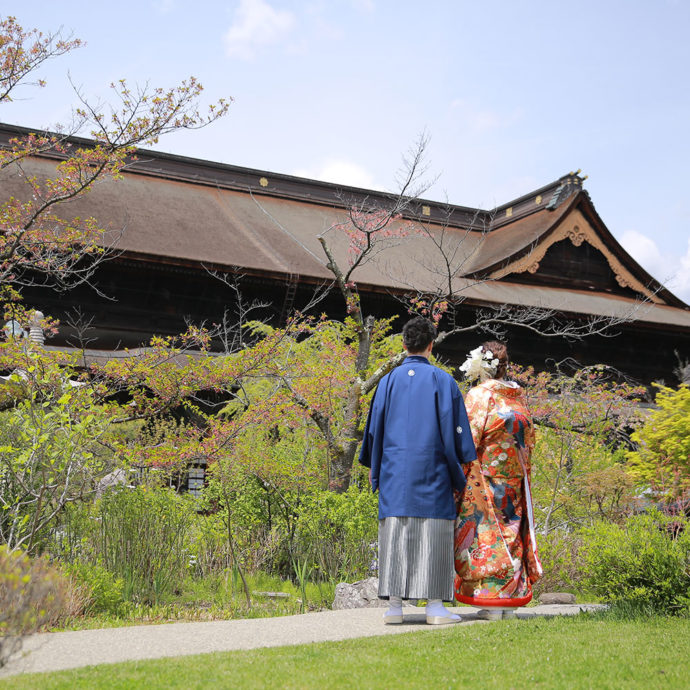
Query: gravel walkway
[[63, 650]]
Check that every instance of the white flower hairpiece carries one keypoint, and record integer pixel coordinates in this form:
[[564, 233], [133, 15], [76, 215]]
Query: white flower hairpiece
[[479, 365]]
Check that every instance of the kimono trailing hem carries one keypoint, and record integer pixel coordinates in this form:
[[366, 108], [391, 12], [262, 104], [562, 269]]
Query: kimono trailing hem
[[495, 602]]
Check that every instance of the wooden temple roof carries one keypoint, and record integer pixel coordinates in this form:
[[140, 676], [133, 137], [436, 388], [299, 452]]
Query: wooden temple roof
[[549, 248]]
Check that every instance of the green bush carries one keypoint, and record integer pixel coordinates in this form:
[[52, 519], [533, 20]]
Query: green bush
[[334, 534], [337, 533], [261, 520], [646, 561], [32, 594], [561, 559], [149, 545], [106, 591], [210, 553], [662, 455], [576, 480], [50, 456]]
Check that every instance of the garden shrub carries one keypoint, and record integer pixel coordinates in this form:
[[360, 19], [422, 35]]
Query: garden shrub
[[105, 590], [561, 559], [337, 533], [662, 457], [32, 594], [209, 551], [257, 546], [50, 455], [578, 479], [260, 517], [646, 561]]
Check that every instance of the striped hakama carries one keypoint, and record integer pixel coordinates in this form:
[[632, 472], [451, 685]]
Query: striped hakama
[[416, 558]]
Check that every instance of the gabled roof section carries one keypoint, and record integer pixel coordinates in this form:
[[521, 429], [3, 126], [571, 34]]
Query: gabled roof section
[[524, 231], [550, 197]]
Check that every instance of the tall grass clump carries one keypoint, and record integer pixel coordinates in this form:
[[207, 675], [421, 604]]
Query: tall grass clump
[[142, 539], [140, 536]]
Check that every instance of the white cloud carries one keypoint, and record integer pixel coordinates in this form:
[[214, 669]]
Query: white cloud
[[672, 271], [340, 172], [256, 24], [645, 251]]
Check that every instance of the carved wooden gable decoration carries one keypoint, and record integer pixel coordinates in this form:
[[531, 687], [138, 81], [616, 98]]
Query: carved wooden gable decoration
[[578, 252]]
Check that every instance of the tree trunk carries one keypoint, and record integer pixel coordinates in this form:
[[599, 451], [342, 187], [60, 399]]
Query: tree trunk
[[343, 458], [341, 468]]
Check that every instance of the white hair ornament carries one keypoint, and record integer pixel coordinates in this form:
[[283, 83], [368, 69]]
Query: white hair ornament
[[479, 365]]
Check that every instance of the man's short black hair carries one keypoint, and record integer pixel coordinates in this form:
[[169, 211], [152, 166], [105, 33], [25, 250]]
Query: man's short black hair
[[418, 333]]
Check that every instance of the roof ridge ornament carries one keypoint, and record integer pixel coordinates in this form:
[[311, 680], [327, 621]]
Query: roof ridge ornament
[[570, 184]]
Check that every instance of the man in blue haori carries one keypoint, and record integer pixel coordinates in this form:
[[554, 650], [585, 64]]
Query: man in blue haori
[[416, 439]]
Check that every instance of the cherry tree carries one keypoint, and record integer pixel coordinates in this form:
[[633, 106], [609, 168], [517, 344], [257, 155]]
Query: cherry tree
[[39, 244], [372, 228]]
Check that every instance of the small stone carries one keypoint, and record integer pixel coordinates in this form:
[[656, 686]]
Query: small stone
[[271, 595], [362, 594], [358, 595], [557, 598]]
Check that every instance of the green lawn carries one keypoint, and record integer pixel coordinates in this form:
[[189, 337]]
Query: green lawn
[[580, 652]]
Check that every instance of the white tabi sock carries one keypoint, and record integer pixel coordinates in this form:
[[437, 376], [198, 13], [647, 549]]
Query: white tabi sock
[[435, 607], [394, 606]]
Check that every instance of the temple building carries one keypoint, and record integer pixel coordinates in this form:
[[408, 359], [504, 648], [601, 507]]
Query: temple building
[[177, 221]]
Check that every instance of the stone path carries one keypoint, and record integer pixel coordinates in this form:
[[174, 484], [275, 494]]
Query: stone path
[[63, 650]]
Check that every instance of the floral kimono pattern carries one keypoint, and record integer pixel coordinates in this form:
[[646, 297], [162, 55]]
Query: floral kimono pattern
[[496, 560]]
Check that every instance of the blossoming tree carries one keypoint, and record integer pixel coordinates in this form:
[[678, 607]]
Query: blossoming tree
[[371, 229], [38, 243], [56, 427]]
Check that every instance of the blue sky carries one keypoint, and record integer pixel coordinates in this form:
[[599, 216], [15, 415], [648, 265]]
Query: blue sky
[[513, 95]]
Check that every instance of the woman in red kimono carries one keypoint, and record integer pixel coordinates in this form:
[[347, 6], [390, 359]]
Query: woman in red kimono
[[496, 561]]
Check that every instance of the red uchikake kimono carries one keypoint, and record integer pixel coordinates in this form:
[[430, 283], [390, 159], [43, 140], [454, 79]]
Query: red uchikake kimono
[[496, 560]]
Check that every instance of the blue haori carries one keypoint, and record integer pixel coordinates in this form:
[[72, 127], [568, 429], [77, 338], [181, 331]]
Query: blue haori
[[416, 558], [416, 440]]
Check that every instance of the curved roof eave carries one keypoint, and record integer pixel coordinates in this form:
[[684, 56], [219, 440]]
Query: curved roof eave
[[589, 211], [581, 201]]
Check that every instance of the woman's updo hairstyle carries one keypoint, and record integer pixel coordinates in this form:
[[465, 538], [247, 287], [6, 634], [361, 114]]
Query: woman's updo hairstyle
[[500, 352]]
